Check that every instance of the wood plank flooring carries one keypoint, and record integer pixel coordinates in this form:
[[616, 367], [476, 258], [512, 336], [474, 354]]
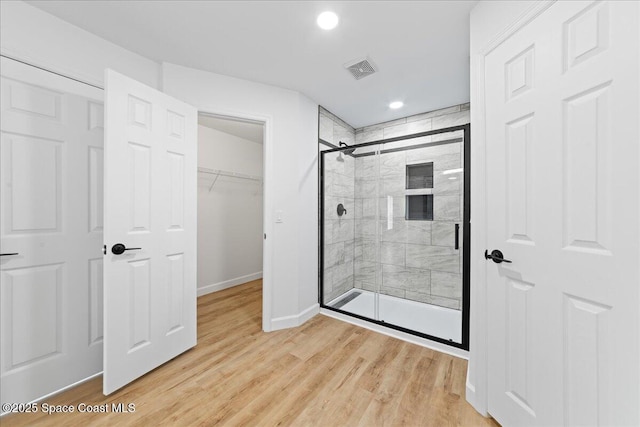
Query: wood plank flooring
[[323, 373]]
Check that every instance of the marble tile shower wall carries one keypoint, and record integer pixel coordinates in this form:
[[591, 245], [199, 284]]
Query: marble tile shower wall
[[417, 258], [333, 129], [339, 187], [437, 119]]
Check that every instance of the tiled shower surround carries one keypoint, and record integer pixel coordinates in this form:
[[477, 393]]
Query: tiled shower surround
[[339, 237], [417, 259]]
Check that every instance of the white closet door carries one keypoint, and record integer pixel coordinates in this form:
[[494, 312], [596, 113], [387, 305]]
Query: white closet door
[[150, 205], [51, 218], [563, 205]]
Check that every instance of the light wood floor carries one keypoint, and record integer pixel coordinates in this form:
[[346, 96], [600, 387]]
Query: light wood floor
[[324, 373]]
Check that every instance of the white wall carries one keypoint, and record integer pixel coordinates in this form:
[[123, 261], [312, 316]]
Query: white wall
[[36, 37], [230, 215], [307, 208], [488, 20], [220, 150], [291, 175], [33, 36]]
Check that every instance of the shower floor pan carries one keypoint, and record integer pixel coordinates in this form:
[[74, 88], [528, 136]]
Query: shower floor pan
[[428, 319]]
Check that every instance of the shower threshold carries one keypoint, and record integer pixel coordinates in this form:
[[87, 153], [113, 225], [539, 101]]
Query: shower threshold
[[441, 322]]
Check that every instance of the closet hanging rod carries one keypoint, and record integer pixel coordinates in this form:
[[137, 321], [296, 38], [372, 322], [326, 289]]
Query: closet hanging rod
[[229, 174]]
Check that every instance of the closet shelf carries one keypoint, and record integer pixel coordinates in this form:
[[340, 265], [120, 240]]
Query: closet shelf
[[218, 173]]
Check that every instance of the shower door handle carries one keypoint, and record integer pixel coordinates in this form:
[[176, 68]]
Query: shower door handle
[[13, 253], [456, 243]]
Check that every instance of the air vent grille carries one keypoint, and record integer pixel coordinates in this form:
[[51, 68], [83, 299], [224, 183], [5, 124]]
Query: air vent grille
[[360, 69]]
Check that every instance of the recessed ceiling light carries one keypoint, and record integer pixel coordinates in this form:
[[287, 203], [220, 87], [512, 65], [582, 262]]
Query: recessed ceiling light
[[396, 104], [327, 20]]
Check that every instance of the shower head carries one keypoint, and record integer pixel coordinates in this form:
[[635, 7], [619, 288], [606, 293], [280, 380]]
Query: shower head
[[347, 151]]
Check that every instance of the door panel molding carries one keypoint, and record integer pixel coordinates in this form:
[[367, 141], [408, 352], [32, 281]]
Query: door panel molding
[[150, 207], [51, 290], [589, 236], [477, 381]]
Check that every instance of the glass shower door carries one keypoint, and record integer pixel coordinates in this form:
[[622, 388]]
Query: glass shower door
[[392, 230], [348, 231], [420, 239]]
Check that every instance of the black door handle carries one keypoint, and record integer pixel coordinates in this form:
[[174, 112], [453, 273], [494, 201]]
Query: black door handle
[[496, 256], [119, 248], [15, 253], [457, 238]]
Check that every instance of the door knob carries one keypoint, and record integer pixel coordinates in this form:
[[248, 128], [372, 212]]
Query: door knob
[[496, 256], [119, 248]]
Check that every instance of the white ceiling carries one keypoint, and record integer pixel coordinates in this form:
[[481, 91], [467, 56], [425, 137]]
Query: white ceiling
[[247, 130], [421, 48]]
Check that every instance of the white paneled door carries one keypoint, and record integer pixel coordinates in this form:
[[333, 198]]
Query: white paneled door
[[50, 232], [562, 143], [150, 229]]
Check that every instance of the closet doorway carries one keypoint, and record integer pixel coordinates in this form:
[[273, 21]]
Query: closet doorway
[[52, 229], [97, 230], [230, 202]]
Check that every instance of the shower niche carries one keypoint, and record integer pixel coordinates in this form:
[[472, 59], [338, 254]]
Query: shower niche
[[419, 207], [400, 257]]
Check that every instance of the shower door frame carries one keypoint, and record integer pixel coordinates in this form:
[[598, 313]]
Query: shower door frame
[[466, 234]]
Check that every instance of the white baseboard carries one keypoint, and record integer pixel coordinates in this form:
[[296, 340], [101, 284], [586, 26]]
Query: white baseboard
[[476, 399], [215, 287], [295, 320], [48, 395], [472, 397]]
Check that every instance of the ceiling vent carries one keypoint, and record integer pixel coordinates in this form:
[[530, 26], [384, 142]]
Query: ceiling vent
[[360, 68]]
